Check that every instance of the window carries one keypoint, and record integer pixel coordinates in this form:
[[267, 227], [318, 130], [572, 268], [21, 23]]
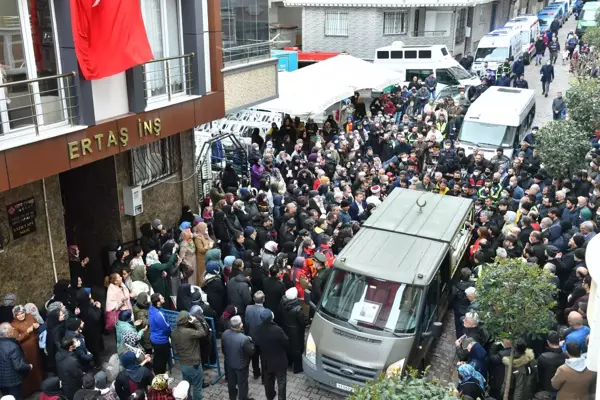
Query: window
[[410, 54], [424, 53], [336, 23], [163, 26], [29, 51], [395, 22], [397, 54], [419, 73], [154, 161], [445, 77], [383, 55], [461, 24]]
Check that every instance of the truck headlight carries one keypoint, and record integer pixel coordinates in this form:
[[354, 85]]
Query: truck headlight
[[395, 368], [311, 349]]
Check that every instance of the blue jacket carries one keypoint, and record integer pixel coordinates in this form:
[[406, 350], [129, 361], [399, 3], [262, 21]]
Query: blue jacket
[[253, 321], [547, 73], [81, 352], [518, 67], [577, 335], [571, 215], [12, 364], [160, 330], [353, 210], [344, 217], [518, 194]]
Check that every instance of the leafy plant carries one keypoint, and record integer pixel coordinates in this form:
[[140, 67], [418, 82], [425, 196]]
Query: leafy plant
[[562, 147], [413, 386], [583, 103], [516, 300], [592, 36]]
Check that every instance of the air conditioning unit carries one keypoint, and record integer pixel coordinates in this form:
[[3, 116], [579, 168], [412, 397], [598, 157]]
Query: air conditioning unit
[[132, 200]]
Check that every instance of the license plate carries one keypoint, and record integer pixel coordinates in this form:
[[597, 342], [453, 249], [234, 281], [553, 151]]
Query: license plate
[[344, 387]]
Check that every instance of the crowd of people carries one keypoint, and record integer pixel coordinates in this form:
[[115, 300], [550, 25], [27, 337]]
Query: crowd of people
[[261, 246]]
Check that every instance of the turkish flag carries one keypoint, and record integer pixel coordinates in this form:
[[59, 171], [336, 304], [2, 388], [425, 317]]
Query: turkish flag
[[109, 36]]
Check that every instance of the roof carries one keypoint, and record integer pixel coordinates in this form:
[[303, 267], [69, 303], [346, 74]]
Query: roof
[[395, 257], [509, 103], [438, 220], [384, 3]]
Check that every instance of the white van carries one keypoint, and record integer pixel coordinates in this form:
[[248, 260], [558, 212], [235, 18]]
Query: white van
[[529, 26], [500, 117], [420, 61], [495, 47]]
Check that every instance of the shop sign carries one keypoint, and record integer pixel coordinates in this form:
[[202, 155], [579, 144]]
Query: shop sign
[[21, 217], [101, 141]]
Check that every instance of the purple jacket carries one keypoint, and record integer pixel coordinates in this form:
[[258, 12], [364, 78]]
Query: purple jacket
[[256, 173]]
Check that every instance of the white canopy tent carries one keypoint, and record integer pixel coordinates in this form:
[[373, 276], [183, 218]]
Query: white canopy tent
[[309, 91]]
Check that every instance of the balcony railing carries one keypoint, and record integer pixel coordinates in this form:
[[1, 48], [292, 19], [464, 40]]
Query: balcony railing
[[247, 53], [429, 33], [37, 104], [166, 78]]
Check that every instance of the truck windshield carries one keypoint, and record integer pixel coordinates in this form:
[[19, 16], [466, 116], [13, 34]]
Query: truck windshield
[[366, 302], [459, 72], [489, 135], [494, 54]]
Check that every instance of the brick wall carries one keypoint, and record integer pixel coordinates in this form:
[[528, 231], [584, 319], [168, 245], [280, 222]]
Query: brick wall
[[365, 32]]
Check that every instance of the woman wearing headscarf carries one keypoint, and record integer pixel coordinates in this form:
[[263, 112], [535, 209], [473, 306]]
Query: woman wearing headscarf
[[214, 287], [32, 309], [125, 324], [51, 389], [187, 215], [55, 330], [90, 312], [64, 293], [158, 272], [131, 343], [227, 266], [184, 297], [187, 253], [203, 243], [140, 315], [26, 326], [168, 250], [160, 389], [470, 382], [76, 263], [6, 313], [134, 376]]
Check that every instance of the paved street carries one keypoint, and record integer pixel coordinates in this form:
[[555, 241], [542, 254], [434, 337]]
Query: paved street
[[561, 78]]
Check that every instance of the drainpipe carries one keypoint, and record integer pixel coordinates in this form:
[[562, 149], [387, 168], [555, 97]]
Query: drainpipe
[[49, 231], [454, 33]]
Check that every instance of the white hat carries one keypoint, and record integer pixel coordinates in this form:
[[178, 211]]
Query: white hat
[[470, 291], [291, 293], [375, 189], [181, 391]]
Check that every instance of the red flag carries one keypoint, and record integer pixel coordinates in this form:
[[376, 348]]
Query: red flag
[[109, 36]]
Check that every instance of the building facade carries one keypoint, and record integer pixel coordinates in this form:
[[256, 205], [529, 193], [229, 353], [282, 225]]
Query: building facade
[[73, 152], [361, 27]]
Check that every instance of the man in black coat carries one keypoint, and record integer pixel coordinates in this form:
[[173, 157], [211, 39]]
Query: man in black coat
[[12, 363], [294, 325], [549, 361], [274, 290], [67, 367], [320, 279], [239, 291], [460, 303], [275, 343]]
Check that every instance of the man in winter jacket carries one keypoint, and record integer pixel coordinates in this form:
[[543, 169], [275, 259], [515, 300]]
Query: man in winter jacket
[[239, 291], [540, 48], [12, 363], [238, 350], [549, 361], [573, 380], [67, 367], [275, 344], [186, 344], [252, 319], [160, 331], [524, 372], [459, 301]]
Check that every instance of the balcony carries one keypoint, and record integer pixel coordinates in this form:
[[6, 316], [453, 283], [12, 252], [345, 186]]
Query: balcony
[[36, 105], [247, 53], [167, 79], [430, 33]]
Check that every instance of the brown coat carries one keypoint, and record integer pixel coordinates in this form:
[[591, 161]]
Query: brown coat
[[203, 244], [571, 384], [31, 352]]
